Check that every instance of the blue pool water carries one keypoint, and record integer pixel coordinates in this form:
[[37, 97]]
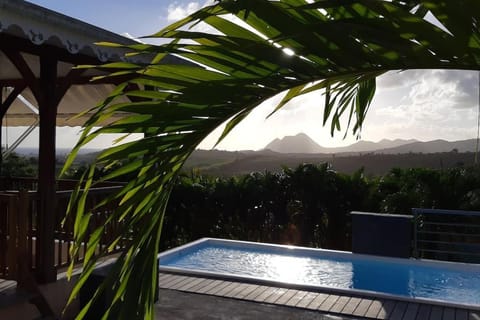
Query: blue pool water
[[446, 282]]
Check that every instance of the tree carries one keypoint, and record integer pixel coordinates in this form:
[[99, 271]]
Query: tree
[[297, 47], [16, 165]]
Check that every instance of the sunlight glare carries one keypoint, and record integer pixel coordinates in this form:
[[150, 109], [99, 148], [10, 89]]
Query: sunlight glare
[[288, 268], [288, 52]]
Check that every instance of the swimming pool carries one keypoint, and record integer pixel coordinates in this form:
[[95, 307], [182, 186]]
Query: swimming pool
[[455, 284]]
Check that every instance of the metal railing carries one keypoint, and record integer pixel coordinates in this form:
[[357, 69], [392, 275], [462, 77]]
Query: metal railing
[[451, 235]]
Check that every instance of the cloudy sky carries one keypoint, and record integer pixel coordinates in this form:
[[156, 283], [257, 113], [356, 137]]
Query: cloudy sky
[[418, 104]]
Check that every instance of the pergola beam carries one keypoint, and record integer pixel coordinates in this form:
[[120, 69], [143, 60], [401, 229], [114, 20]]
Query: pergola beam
[[22, 66], [10, 99]]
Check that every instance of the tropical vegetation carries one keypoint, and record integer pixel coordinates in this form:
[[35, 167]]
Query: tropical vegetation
[[308, 205], [289, 46], [16, 165]]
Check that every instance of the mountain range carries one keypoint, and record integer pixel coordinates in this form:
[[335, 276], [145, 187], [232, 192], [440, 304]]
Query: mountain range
[[302, 143]]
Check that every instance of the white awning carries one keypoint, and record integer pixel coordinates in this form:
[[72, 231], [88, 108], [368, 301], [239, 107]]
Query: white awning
[[28, 28]]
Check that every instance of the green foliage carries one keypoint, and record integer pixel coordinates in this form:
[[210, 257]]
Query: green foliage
[[16, 165], [339, 46], [308, 205]]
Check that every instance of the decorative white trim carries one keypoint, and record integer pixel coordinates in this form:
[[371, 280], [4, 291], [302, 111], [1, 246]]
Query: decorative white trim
[[41, 26]]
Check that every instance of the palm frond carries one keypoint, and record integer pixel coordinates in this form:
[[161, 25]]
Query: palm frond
[[293, 46]]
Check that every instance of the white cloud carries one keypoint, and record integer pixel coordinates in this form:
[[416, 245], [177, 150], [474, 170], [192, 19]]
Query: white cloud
[[425, 105], [179, 11], [419, 104]]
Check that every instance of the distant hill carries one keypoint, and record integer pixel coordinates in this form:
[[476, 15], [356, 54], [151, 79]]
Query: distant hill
[[237, 163], [433, 147], [368, 146], [302, 143], [33, 152], [375, 157]]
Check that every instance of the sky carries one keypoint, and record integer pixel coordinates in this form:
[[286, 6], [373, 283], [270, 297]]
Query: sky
[[416, 104]]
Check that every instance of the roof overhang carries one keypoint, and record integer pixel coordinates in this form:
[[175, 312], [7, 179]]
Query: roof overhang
[[28, 32]]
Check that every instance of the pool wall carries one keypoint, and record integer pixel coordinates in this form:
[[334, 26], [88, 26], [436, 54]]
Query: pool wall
[[311, 252], [387, 235]]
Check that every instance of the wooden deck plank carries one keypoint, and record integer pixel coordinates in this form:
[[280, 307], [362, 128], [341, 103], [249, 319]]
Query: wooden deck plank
[[386, 309], [374, 309], [215, 289], [286, 297], [424, 311], [327, 303], [248, 289], [306, 299], [265, 294], [474, 315], [174, 281], [296, 298], [362, 307], [225, 290], [323, 302], [448, 313], [340, 304], [276, 295], [7, 285], [181, 283], [201, 285], [436, 313], [351, 305], [255, 293], [461, 314], [411, 312], [211, 286], [188, 286], [236, 290], [165, 280], [163, 276], [399, 311]]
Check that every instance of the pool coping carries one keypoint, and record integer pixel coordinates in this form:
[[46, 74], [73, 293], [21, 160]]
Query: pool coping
[[315, 288]]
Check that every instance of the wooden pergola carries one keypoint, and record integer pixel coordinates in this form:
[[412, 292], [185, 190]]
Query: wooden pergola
[[38, 48]]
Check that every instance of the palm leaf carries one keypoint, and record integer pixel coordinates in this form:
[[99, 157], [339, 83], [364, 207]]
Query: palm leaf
[[340, 47]]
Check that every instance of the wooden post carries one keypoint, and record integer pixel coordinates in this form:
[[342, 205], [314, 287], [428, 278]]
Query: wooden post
[[12, 233], [48, 103], [22, 253]]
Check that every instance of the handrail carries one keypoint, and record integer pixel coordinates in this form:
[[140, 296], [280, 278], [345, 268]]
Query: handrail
[[445, 212], [31, 183], [24, 221], [92, 191], [438, 238]]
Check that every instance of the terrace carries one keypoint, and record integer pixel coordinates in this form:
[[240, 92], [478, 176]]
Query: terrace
[[38, 87]]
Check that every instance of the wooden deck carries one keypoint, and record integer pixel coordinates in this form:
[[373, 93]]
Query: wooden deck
[[335, 304], [7, 286]]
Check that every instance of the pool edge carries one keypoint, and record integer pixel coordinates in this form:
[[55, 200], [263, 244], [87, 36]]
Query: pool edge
[[307, 287]]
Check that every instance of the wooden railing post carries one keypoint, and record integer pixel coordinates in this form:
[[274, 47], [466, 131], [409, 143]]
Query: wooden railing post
[[12, 236], [22, 252]]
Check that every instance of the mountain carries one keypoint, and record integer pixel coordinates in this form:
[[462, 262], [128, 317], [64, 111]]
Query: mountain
[[369, 146], [302, 143], [433, 146]]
